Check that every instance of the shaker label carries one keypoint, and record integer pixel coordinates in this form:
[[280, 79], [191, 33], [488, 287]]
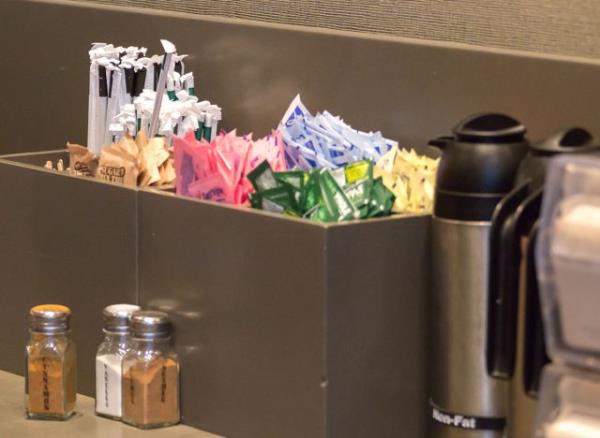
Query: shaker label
[[468, 422], [131, 389], [106, 385], [163, 386], [46, 391]]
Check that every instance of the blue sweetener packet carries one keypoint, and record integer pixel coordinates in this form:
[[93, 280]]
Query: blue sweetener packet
[[295, 110], [325, 140]]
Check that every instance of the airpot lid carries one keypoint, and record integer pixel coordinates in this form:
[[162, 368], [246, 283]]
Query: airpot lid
[[574, 140], [489, 127]]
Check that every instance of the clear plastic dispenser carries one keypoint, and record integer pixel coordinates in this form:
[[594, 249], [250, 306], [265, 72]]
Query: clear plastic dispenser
[[568, 263]]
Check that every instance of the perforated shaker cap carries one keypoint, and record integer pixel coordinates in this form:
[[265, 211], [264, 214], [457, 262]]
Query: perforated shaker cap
[[117, 316], [49, 318], [150, 324]]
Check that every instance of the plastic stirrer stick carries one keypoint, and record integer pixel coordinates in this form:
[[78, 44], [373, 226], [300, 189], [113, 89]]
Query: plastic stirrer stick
[[170, 49]]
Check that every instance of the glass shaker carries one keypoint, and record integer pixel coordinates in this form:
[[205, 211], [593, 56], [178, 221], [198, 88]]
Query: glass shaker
[[109, 359], [151, 373], [51, 360]]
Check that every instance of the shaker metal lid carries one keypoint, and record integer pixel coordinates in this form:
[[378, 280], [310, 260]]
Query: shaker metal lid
[[150, 324], [117, 316], [49, 318]]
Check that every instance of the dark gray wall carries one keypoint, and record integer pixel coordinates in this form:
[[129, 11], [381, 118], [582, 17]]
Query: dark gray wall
[[410, 91], [553, 26]]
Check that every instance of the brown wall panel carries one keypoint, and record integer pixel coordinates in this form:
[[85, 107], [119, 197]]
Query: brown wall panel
[[551, 26], [410, 91]]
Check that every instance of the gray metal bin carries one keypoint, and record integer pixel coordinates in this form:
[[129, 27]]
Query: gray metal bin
[[286, 328]]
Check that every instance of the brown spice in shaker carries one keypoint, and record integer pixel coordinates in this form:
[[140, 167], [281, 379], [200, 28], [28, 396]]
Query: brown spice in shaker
[[150, 392], [48, 380]]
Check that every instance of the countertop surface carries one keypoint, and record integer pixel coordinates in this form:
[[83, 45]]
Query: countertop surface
[[84, 424]]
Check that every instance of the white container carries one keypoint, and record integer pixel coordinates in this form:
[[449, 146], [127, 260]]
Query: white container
[[568, 264]]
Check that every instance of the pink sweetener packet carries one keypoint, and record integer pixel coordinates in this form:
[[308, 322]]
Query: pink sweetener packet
[[229, 140], [256, 155], [234, 143], [274, 158], [241, 149], [184, 166], [268, 151], [204, 159], [245, 189], [211, 188], [239, 197], [239, 146], [225, 162], [220, 167], [224, 159], [190, 137], [274, 151]]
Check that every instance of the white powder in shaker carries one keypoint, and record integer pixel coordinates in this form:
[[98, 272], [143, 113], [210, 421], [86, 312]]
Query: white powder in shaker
[[108, 385]]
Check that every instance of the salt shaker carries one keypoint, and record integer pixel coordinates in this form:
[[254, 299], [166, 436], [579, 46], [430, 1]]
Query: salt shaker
[[109, 359], [51, 375], [151, 373]]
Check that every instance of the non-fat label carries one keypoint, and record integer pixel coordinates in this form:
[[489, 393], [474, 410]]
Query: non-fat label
[[468, 422]]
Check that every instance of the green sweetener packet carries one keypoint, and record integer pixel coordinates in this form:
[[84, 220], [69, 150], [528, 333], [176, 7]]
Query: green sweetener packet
[[359, 194], [308, 214], [262, 177], [294, 178], [359, 187], [310, 194], [281, 196], [255, 200], [319, 214], [271, 206], [336, 205], [358, 171], [340, 176], [382, 199], [292, 213]]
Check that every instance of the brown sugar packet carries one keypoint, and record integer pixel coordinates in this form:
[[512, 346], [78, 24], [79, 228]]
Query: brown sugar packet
[[141, 139], [82, 162], [167, 173], [155, 154], [128, 147], [118, 165]]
